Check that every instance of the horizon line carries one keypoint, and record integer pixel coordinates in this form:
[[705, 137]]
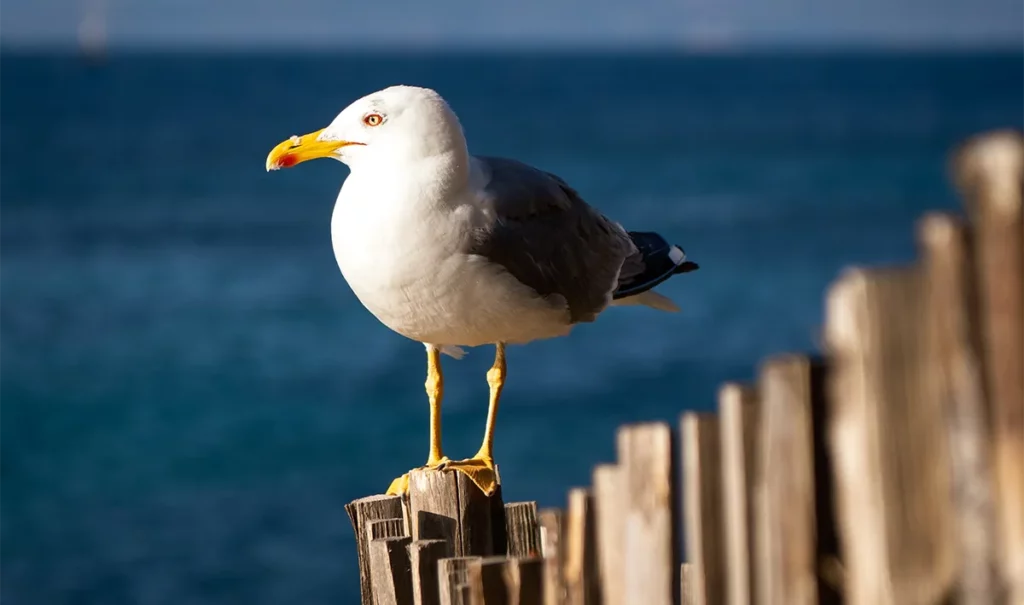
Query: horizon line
[[670, 46]]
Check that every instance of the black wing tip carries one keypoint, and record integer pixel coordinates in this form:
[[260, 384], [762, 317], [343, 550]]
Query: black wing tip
[[650, 284], [686, 267]]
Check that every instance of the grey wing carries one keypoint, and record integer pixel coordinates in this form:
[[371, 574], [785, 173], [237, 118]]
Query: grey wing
[[549, 239]]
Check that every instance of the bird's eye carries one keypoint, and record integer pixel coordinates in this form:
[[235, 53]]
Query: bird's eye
[[373, 119]]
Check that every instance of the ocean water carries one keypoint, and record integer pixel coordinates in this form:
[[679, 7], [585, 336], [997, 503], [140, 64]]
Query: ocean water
[[190, 391]]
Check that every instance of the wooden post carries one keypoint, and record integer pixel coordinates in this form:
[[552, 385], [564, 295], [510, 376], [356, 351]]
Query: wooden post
[[702, 506], [889, 443], [608, 515], [505, 581], [522, 530], [786, 536], [552, 545], [580, 548], [531, 580], [389, 567], [686, 596], [453, 580], [737, 409], [361, 512], [385, 528], [955, 380], [446, 505], [487, 581], [460, 594], [499, 524], [423, 560], [648, 459], [990, 170]]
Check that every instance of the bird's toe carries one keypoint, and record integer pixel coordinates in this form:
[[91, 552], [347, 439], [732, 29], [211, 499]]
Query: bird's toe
[[481, 471], [399, 487]]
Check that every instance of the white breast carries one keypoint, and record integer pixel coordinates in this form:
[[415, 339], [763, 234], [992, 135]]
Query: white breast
[[404, 260]]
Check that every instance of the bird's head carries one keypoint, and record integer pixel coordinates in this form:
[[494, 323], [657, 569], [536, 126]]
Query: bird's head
[[400, 123]]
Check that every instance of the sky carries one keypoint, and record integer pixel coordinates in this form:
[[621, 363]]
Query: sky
[[517, 23]]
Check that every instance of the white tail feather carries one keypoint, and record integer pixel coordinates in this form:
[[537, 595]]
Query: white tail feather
[[453, 351], [650, 299], [450, 350]]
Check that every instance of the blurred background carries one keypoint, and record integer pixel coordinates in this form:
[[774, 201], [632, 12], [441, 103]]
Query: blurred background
[[190, 391]]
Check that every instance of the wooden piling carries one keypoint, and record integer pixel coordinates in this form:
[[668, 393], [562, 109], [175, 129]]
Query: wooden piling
[[889, 443], [786, 532], [990, 173], [453, 580], [686, 592], [579, 565], [608, 516], [522, 530], [361, 513], [954, 379], [647, 456], [424, 556], [530, 581], [446, 505], [506, 581], [487, 581], [389, 568], [552, 534], [385, 528], [702, 506], [737, 409]]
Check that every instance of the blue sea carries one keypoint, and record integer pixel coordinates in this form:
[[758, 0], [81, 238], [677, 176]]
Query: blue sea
[[191, 392]]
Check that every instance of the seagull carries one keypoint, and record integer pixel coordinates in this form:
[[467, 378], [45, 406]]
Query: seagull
[[454, 250]]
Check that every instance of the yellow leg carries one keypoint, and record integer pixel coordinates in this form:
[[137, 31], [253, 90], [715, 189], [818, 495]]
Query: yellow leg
[[496, 381], [480, 468], [435, 391]]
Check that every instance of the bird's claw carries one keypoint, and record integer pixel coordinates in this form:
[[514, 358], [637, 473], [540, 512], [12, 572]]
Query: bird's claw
[[400, 486], [438, 465], [480, 470]]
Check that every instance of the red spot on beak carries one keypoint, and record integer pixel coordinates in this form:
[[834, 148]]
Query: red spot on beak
[[287, 160]]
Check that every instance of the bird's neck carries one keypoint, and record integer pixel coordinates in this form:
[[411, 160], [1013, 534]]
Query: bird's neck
[[435, 179], [393, 210]]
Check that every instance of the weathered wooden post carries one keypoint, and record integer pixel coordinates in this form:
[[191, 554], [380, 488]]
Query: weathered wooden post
[[648, 458], [390, 570], [424, 556], [522, 529], [506, 581], [400, 541], [702, 506], [686, 596], [552, 536], [990, 173], [579, 562], [362, 512], [889, 442], [608, 515], [790, 517], [446, 505], [737, 410], [453, 580], [955, 381]]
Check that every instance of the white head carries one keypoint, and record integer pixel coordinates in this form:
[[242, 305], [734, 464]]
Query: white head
[[398, 124]]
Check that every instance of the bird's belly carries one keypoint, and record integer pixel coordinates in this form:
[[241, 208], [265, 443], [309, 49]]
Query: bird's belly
[[448, 298], [408, 268]]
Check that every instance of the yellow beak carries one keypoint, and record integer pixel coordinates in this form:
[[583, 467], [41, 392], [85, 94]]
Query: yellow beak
[[296, 150]]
